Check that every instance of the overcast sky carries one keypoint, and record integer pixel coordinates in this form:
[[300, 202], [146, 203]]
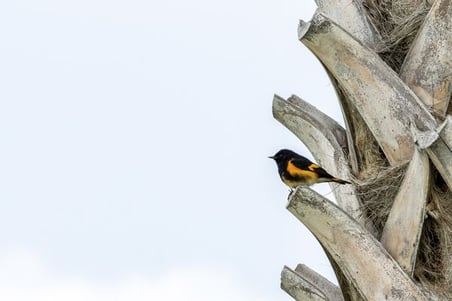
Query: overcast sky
[[134, 138]]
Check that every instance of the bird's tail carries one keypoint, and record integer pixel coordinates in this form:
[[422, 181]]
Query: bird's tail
[[339, 181]]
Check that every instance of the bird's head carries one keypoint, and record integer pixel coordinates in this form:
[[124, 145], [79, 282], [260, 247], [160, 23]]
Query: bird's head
[[283, 155]]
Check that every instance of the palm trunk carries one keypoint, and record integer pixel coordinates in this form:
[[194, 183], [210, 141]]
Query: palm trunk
[[390, 236]]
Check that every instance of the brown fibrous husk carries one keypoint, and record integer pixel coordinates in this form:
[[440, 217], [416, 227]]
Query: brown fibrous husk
[[398, 23]]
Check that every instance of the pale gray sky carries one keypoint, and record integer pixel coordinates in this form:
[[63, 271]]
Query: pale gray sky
[[134, 138]]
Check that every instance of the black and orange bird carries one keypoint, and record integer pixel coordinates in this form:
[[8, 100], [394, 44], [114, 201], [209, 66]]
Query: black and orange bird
[[296, 170]]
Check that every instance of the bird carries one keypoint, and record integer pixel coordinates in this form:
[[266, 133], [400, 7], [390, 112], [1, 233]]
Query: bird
[[296, 170]]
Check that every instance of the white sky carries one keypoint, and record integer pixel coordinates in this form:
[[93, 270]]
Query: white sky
[[134, 138]]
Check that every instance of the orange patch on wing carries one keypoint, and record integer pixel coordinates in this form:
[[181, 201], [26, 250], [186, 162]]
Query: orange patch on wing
[[313, 167], [297, 172]]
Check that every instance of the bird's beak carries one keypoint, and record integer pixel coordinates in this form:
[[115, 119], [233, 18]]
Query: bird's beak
[[271, 157]]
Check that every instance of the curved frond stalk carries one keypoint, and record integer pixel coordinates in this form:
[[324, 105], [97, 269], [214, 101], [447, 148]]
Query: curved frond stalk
[[402, 232], [330, 290], [438, 144], [364, 261], [350, 15], [427, 69], [299, 288], [386, 104]]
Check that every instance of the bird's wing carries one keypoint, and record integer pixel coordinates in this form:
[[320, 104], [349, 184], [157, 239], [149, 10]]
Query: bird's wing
[[309, 167]]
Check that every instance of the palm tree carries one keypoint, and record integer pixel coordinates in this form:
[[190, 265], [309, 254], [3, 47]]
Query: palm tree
[[390, 235]]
